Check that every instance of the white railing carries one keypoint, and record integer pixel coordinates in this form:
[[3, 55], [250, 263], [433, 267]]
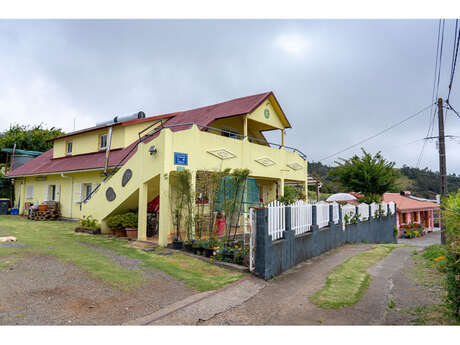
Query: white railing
[[384, 207], [363, 210], [322, 214], [335, 212], [374, 208], [392, 207], [348, 210], [276, 219], [301, 217]]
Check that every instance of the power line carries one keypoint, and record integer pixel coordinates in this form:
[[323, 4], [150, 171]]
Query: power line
[[433, 99], [377, 134], [454, 57]]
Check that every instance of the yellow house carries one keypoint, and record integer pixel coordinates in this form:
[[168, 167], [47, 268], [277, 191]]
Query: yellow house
[[125, 163]]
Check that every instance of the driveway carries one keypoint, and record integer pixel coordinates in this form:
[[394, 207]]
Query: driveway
[[285, 299]]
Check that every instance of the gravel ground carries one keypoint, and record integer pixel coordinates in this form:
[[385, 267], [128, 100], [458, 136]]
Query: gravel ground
[[122, 260], [40, 290]]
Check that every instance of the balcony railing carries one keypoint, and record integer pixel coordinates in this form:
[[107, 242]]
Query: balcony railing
[[160, 127]]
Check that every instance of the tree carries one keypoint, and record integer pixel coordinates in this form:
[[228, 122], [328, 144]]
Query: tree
[[369, 175], [34, 138]]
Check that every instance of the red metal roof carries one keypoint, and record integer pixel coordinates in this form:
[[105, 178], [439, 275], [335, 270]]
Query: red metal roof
[[406, 204], [45, 163]]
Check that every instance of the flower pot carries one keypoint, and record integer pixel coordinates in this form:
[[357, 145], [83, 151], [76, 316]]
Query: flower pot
[[120, 232], [177, 244], [208, 252], [42, 207], [131, 233], [188, 247]]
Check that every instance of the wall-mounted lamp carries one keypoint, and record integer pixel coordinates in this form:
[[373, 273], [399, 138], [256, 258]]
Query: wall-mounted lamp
[[152, 150]]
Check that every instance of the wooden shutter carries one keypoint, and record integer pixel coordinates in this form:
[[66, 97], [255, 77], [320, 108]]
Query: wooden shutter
[[46, 192], [77, 192], [58, 193]]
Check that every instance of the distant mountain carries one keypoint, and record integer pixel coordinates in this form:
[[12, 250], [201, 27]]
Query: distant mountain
[[421, 182]]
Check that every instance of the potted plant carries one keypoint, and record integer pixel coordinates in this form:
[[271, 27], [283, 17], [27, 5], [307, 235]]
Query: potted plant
[[114, 223], [188, 245], [129, 222], [88, 225]]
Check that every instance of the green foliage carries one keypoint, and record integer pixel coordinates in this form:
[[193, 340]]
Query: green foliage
[[129, 220], [369, 199], [291, 195], [451, 216], [32, 138], [115, 222], [182, 201], [412, 230], [6, 186], [89, 222], [369, 175]]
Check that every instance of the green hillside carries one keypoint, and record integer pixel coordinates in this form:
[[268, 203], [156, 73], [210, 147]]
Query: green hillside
[[421, 182]]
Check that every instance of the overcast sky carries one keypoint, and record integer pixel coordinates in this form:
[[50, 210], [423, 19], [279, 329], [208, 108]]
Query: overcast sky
[[338, 81]]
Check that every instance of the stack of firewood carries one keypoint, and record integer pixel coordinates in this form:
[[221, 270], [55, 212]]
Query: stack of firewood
[[51, 213]]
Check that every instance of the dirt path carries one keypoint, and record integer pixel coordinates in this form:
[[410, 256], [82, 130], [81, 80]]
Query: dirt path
[[40, 290]]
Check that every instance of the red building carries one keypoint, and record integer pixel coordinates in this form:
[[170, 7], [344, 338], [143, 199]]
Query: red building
[[410, 210]]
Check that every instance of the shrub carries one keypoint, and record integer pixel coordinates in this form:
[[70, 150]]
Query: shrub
[[129, 220], [89, 222], [114, 222], [451, 218]]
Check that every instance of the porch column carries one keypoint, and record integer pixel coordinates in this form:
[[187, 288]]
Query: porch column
[[409, 217], [431, 217], [282, 137], [142, 215], [419, 217], [281, 191], [245, 126], [164, 219]]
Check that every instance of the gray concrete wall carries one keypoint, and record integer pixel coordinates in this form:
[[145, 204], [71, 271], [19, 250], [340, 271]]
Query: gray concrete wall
[[273, 258]]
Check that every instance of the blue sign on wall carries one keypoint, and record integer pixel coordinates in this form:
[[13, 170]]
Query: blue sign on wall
[[180, 158]]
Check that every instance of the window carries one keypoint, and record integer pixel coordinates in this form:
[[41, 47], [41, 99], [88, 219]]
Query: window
[[29, 192], [103, 141], [52, 192], [87, 189], [69, 147]]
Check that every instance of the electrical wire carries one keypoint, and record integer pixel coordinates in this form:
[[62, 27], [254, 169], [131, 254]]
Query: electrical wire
[[454, 58], [433, 99], [377, 134]]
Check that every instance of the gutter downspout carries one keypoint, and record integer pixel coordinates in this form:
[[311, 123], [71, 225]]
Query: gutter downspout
[[71, 193], [107, 150]]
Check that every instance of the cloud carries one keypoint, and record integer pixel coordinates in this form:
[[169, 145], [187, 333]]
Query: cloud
[[292, 43]]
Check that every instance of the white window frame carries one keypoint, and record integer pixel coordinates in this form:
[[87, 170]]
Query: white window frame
[[29, 191], [100, 141], [67, 147]]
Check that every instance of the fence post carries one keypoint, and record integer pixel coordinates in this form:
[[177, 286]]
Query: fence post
[[331, 215], [314, 219], [263, 245], [289, 237]]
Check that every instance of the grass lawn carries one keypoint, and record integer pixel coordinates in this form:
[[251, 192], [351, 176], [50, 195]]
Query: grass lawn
[[348, 282], [58, 239], [429, 271]]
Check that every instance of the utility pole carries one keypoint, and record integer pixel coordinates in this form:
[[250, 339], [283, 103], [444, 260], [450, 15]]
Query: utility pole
[[442, 163]]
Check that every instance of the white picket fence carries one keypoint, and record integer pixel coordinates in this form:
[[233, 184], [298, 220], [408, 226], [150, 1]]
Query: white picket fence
[[374, 208], [348, 210], [335, 212], [363, 211], [392, 207], [301, 217], [276, 219]]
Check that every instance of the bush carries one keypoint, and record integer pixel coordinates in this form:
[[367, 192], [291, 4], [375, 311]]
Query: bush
[[115, 222], [89, 222], [129, 220], [451, 218]]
